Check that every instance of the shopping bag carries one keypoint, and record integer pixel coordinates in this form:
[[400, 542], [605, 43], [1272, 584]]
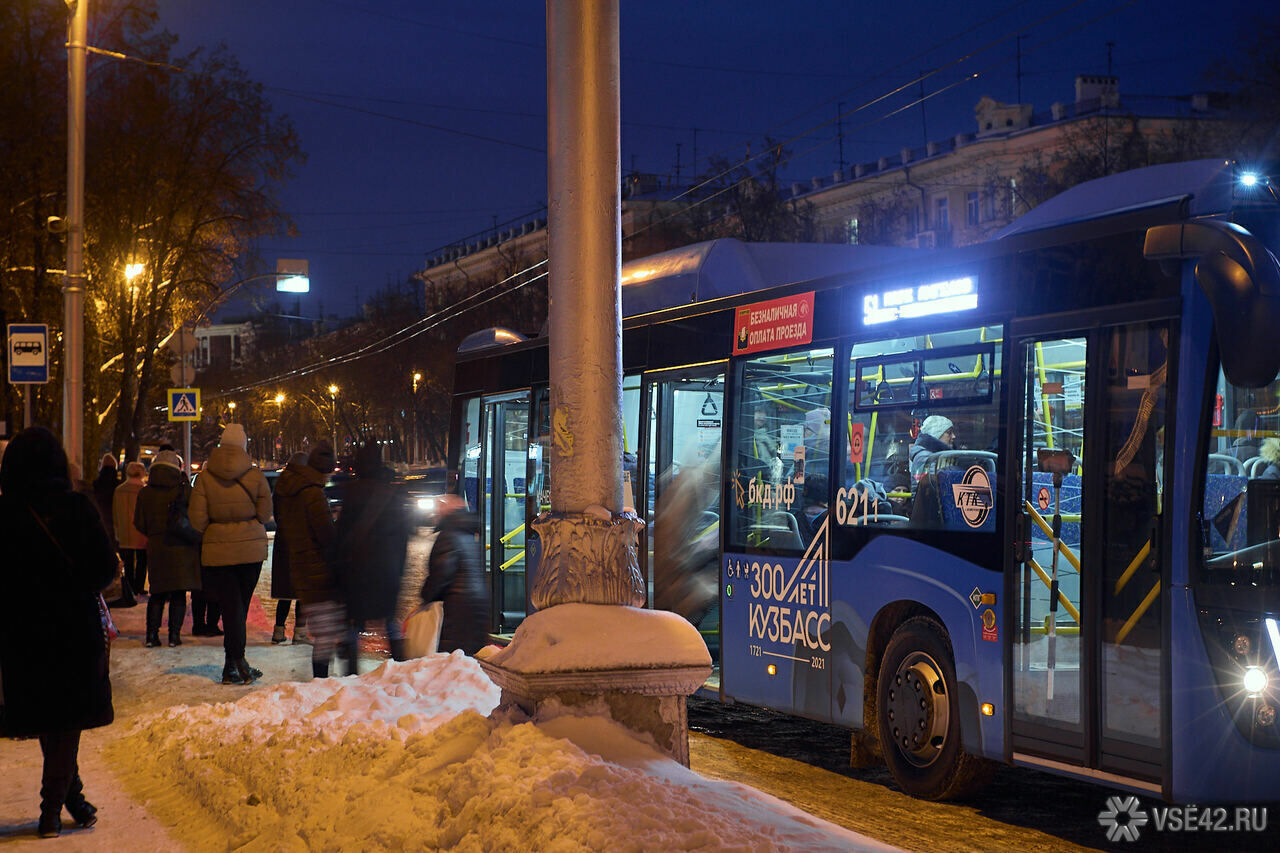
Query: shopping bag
[[422, 630]]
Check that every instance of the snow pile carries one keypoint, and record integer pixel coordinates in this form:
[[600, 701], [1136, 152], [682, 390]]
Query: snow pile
[[568, 637], [410, 757]]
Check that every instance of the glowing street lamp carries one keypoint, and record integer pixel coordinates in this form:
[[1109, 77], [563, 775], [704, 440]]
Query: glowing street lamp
[[333, 415]]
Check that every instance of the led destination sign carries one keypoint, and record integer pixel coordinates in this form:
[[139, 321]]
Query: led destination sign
[[942, 297]]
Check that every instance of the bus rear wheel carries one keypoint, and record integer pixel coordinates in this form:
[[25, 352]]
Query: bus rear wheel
[[918, 714]]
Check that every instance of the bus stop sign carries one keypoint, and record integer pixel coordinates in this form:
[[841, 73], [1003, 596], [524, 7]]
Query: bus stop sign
[[28, 353]]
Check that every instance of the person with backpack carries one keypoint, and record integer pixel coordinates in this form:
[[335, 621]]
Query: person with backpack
[[230, 506], [173, 550]]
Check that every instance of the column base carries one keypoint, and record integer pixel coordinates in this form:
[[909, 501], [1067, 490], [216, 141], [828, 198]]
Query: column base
[[647, 701]]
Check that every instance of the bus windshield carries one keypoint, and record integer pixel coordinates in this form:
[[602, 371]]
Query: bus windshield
[[1241, 512]]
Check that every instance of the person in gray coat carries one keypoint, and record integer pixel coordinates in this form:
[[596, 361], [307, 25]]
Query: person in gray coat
[[173, 562], [230, 505]]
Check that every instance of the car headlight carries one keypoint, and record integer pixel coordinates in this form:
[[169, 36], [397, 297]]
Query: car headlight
[[426, 504]]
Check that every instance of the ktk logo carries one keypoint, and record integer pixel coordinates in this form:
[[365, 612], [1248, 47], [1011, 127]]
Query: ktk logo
[[1122, 818]]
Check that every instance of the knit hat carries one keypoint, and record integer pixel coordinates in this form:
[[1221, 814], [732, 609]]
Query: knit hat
[[109, 461], [936, 425], [135, 469], [168, 457], [233, 436], [321, 457]]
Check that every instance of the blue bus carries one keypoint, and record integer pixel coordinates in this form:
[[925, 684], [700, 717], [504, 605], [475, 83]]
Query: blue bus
[[1017, 502]]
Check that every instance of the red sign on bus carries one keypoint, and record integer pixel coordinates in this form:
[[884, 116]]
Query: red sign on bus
[[775, 324]]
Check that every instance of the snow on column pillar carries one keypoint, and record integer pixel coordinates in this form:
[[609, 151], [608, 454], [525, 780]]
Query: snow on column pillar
[[588, 545]]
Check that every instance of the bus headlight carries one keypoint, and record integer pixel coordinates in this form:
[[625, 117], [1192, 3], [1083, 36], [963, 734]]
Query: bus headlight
[[1255, 680]]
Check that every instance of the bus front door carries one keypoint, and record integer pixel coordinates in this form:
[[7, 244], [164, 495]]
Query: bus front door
[[502, 511], [1087, 654], [680, 485]]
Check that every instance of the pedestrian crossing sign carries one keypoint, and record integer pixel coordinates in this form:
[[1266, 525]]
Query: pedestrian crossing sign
[[184, 404]]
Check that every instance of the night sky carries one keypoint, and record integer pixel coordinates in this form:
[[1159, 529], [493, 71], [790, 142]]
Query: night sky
[[424, 123]]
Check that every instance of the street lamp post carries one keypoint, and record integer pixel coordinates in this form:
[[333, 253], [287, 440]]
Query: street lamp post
[[333, 416], [415, 453]]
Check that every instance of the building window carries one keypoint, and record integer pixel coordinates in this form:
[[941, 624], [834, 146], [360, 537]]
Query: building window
[[941, 215], [852, 230], [971, 209]]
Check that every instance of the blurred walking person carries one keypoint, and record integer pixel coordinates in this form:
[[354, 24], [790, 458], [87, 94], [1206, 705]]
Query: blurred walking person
[[455, 577], [371, 537], [173, 552], [282, 588], [131, 542], [230, 505], [53, 649], [307, 527]]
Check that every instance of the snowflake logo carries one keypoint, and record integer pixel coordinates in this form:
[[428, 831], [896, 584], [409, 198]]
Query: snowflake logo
[[1122, 818]]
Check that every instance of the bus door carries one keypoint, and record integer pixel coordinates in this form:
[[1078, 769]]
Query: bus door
[[679, 493], [1088, 661], [505, 471]]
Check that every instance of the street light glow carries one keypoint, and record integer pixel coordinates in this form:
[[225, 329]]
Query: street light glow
[[333, 389], [132, 271], [279, 398]]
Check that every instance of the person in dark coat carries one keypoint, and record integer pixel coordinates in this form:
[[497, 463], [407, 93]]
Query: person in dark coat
[[455, 577], [104, 488], [371, 537], [282, 589], [303, 519], [937, 435], [174, 564], [53, 650]]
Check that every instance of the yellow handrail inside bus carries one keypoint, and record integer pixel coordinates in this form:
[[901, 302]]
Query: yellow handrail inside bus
[[1043, 525], [505, 539], [1133, 567], [1138, 613], [1044, 578], [519, 556]]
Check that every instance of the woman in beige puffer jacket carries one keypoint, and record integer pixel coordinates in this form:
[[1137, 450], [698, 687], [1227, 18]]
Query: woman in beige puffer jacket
[[230, 505]]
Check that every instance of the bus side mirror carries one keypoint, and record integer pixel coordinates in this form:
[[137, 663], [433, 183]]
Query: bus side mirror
[[1242, 280]]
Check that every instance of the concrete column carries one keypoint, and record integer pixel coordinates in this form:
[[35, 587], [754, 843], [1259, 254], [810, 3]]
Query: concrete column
[[640, 674], [588, 553], [585, 252]]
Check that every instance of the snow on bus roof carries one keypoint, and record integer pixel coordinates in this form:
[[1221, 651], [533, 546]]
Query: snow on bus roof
[[1207, 183], [728, 267]]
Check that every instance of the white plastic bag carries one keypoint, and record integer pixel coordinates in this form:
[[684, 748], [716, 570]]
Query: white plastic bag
[[422, 630]]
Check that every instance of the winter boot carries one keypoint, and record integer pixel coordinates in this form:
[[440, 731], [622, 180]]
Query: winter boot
[[301, 637], [397, 648], [319, 670], [153, 639], [175, 638], [230, 675], [278, 636], [247, 673], [83, 812], [50, 824]]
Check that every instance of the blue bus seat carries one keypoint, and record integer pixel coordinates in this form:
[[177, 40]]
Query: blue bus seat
[[1219, 491], [952, 517]]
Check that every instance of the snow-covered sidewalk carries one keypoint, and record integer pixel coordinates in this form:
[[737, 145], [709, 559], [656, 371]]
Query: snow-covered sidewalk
[[408, 756]]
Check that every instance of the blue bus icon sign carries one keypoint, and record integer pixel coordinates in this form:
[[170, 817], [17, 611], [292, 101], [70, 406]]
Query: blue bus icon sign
[[28, 352]]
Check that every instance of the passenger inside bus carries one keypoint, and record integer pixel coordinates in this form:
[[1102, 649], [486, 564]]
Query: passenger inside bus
[[937, 434]]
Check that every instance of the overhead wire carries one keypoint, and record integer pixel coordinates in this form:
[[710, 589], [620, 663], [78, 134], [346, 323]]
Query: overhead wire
[[421, 326]]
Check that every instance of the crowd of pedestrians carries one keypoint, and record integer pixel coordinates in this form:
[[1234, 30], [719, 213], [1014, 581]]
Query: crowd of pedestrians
[[162, 538]]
